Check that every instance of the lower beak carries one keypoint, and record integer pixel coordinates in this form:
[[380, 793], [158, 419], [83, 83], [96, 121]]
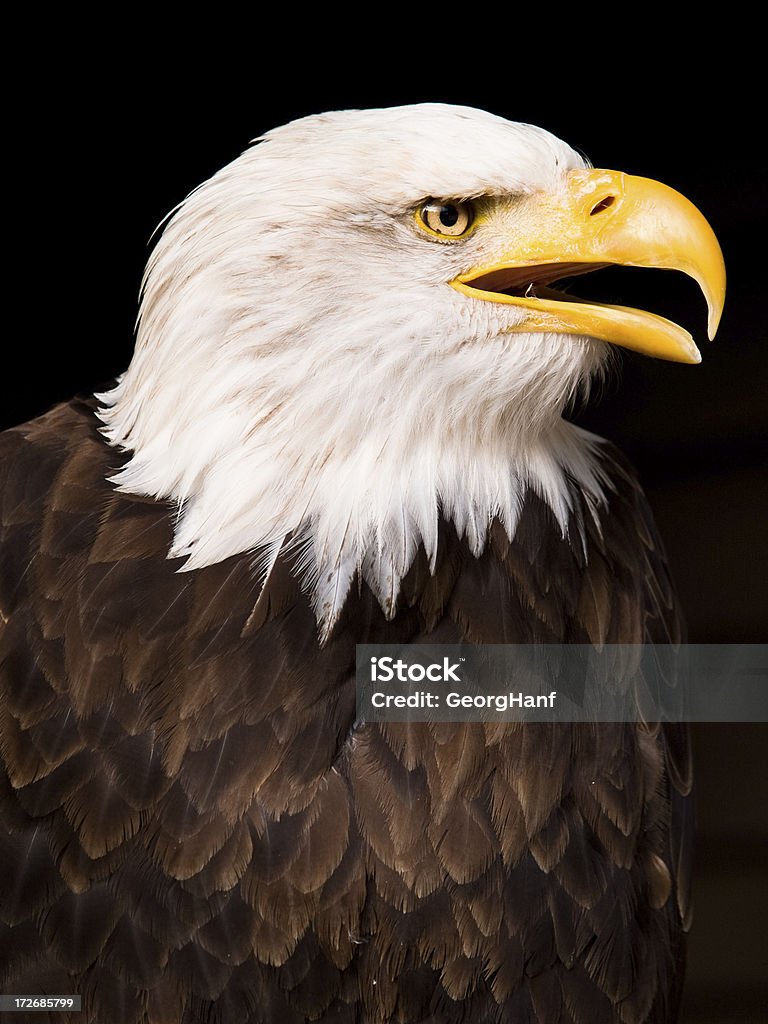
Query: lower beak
[[601, 219]]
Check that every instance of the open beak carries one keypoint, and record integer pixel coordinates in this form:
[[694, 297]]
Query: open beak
[[603, 218]]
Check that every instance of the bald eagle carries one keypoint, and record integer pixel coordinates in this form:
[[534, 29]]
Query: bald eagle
[[343, 424]]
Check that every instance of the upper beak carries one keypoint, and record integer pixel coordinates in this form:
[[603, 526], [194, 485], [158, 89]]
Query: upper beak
[[602, 218]]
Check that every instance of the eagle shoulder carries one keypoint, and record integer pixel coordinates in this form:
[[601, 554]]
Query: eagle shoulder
[[192, 816]]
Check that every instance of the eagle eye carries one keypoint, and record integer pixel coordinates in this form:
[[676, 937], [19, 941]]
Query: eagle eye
[[445, 218]]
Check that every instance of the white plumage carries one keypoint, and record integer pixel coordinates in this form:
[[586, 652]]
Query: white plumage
[[304, 369]]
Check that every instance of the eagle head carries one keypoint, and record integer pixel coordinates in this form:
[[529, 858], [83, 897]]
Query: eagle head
[[350, 332]]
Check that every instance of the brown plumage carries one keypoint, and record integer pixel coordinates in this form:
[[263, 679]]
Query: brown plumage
[[194, 829]]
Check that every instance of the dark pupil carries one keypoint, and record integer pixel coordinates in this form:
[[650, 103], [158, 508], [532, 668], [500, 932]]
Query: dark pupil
[[448, 216]]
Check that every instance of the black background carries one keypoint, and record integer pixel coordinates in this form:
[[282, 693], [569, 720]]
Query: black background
[[113, 145]]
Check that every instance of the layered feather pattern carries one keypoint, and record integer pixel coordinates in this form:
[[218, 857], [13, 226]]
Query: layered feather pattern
[[196, 828]]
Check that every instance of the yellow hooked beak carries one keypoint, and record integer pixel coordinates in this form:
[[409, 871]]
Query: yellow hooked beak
[[602, 218]]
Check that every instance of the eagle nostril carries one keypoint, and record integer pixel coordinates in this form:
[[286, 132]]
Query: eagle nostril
[[602, 205]]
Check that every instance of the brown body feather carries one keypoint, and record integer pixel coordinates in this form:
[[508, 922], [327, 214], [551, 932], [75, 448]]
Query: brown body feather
[[193, 829]]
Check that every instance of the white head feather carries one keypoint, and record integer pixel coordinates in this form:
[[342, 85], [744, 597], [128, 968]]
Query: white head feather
[[303, 368]]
